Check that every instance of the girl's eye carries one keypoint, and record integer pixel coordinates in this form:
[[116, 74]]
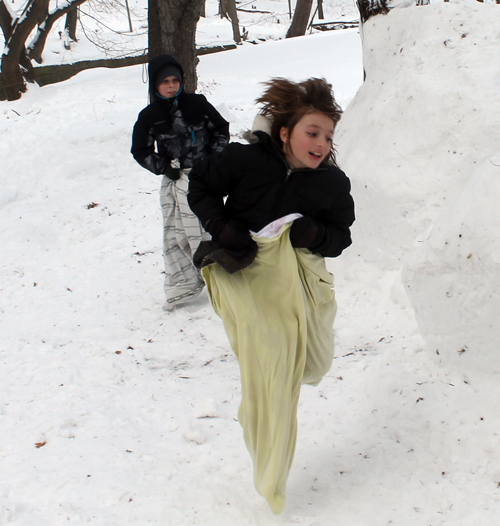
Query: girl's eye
[[312, 134], [329, 139]]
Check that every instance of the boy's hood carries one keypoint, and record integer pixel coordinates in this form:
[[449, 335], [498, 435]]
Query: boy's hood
[[154, 67]]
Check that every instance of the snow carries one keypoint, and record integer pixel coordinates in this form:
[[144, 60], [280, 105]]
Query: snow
[[113, 411], [426, 176]]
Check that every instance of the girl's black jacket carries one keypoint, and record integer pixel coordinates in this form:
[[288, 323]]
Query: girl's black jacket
[[261, 188]]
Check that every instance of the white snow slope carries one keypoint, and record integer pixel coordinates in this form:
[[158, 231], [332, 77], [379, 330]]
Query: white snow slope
[[428, 171], [114, 412]]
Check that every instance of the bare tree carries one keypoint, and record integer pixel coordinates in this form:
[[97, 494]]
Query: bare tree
[[227, 9], [172, 30], [36, 47], [154, 29], [5, 19], [7, 26], [71, 20], [321, 15], [300, 18], [16, 30], [17, 68]]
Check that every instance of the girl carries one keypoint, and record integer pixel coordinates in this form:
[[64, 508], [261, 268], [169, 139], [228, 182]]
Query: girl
[[284, 196]]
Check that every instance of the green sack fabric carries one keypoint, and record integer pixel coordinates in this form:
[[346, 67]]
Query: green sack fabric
[[278, 315]]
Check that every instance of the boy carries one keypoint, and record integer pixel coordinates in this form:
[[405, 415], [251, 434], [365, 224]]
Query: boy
[[174, 132]]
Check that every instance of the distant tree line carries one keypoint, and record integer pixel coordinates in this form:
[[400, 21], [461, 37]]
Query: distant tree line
[[171, 29]]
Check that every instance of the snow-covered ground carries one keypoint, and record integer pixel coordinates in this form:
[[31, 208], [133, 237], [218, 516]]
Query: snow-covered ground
[[114, 412]]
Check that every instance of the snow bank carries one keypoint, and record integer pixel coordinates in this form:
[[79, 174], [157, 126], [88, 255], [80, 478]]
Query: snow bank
[[418, 141], [454, 278], [427, 115]]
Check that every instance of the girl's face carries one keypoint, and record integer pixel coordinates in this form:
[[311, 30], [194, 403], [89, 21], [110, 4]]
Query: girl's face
[[310, 141], [169, 87]]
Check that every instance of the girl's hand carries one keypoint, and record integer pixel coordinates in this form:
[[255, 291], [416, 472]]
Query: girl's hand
[[306, 233], [231, 234]]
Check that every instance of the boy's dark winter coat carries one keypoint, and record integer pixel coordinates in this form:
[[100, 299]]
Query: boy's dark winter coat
[[261, 188], [186, 127]]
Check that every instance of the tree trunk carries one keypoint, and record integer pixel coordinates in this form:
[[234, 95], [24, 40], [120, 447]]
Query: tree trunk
[[154, 29], [321, 14], [300, 18], [14, 83], [71, 20], [5, 21], [7, 25], [14, 54], [177, 34], [16, 61], [35, 49], [227, 9]]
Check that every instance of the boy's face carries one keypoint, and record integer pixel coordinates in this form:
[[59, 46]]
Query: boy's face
[[169, 87]]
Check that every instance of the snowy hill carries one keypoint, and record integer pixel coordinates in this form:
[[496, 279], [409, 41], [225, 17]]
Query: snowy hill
[[426, 173], [114, 412]]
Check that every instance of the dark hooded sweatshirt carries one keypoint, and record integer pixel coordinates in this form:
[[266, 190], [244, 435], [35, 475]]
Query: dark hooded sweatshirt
[[185, 127]]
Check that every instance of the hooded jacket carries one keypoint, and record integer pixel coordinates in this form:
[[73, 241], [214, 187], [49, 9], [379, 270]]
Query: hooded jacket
[[260, 188], [185, 127]]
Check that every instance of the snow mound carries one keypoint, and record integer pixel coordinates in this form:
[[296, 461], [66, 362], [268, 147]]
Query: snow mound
[[419, 127], [419, 142], [453, 279]]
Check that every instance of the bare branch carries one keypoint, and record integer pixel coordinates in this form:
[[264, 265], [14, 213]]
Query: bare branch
[[23, 26], [6, 20], [35, 49]]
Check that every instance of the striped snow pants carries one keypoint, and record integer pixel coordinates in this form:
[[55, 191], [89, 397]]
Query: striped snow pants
[[182, 233]]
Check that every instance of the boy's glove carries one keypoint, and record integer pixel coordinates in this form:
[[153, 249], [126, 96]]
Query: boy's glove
[[306, 233], [231, 234], [172, 173]]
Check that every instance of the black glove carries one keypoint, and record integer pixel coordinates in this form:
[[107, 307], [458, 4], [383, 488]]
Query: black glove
[[306, 233], [172, 173], [231, 234]]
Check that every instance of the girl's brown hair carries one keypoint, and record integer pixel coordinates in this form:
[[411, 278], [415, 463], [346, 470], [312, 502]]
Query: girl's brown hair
[[286, 102]]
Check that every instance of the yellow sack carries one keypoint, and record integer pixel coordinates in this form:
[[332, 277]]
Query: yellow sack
[[278, 315]]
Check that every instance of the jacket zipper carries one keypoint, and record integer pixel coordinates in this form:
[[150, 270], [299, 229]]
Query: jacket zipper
[[289, 171]]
